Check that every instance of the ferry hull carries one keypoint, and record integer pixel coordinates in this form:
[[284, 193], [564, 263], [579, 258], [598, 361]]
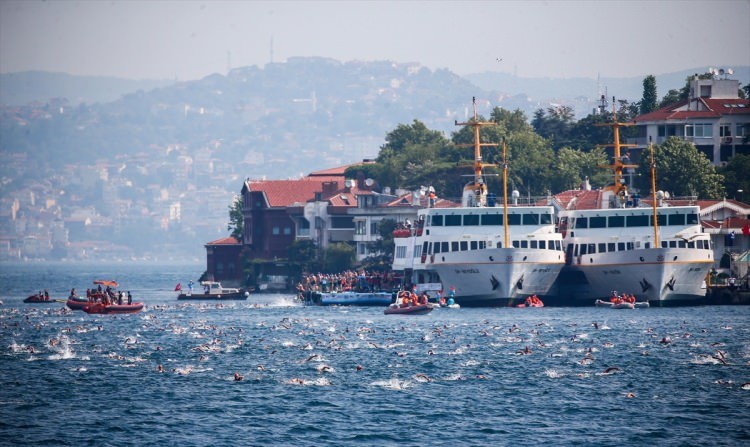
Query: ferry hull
[[506, 278], [660, 276]]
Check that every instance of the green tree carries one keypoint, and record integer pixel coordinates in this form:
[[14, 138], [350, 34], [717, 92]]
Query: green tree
[[236, 221], [672, 97], [681, 170], [403, 136], [648, 102], [573, 166], [736, 177], [305, 255], [529, 157], [338, 257], [555, 125]]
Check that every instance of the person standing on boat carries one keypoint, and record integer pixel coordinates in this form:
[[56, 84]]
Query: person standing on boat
[[130, 298], [190, 286]]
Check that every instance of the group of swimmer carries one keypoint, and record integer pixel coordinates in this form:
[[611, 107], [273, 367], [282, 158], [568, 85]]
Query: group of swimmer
[[533, 301], [615, 298], [106, 296], [350, 280], [406, 298]]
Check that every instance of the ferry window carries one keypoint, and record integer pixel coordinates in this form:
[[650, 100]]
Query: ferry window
[[473, 245], [672, 244], [621, 246], [444, 247], [662, 220], [602, 248], [453, 220], [482, 245], [630, 246], [676, 219], [471, 220], [581, 222], [492, 219], [534, 244], [636, 221], [531, 219], [647, 245], [692, 219], [616, 221], [437, 220], [434, 248], [584, 249], [515, 244], [611, 246], [401, 252], [543, 245], [598, 222], [558, 245], [592, 248], [464, 245], [545, 219], [424, 248], [524, 244], [691, 244], [454, 246], [514, 219], [499, 244], [664, 244]]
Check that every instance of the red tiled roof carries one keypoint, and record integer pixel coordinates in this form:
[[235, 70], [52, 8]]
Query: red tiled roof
[[579, 199], [224, 241], [281, 193], [338, 171], [709, 108]]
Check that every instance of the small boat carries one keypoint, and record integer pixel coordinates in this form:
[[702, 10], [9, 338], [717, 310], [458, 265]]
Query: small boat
[[76, 302], [215, 291], [419, 309], [100, 308], [617, 305], [349, 298], [39, 298], [450, 306], [641, 305], [531, 301]]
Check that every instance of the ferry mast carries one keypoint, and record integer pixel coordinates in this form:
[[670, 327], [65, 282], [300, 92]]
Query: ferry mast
[[478, 187], [619, 187]]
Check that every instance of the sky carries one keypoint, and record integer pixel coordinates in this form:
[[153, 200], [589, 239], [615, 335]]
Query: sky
[[188, 40]]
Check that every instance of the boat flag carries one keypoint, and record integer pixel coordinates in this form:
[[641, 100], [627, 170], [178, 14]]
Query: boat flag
[[178, 287]]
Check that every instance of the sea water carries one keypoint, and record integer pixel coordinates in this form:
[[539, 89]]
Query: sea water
[[350, 376]]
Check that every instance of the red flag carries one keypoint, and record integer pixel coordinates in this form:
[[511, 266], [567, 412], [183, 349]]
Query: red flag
[[746, 229], [178, 287]]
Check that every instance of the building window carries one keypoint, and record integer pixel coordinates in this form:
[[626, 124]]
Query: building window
[[699, 130], [725, 130], [362, 249], [276, 231], [374, 228], [287, 231], [361, 226]]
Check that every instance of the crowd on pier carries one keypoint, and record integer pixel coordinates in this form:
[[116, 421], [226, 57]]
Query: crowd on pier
[[350, 280]]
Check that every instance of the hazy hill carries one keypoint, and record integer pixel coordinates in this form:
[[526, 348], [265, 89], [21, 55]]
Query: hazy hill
[[29, 86]]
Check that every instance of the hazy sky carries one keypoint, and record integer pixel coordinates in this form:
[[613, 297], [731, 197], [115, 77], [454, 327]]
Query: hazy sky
[[191, 39]]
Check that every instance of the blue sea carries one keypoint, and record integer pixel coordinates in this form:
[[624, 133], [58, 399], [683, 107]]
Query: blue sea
[[346, 376]]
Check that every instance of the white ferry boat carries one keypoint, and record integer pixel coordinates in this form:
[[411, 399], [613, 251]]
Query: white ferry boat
[[488, 254], [614, 242]]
